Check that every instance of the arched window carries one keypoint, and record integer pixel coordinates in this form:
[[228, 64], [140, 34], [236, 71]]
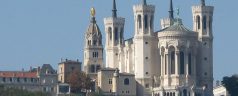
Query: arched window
[[139, 21], [189, 63], [204, 22], [146, 21], [172, 59], [94, 42], [198, 22], [151, 21], [181, 62], [126, 81], [173, 94], [184, 92], [110, 33], [116, 33], [210, 22], [121, 34]]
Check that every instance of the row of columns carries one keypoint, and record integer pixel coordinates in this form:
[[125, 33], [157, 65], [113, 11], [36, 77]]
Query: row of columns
[[166, 63]]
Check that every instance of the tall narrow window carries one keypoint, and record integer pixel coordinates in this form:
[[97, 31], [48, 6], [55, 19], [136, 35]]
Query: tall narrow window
[[189, 63], [146, 21], [121, 35], [198, 22], [184, 92], [139, 21], [204, 22], [165, 69], [172, 62], [110, 81], [110, 33], [151, 21], [210, 22], [181, 63], [116, 33]]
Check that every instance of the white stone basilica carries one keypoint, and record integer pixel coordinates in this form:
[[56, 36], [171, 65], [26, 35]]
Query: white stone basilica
[[174, 61]]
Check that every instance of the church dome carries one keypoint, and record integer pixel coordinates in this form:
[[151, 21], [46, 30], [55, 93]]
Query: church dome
[[177, 29], [93, 29]]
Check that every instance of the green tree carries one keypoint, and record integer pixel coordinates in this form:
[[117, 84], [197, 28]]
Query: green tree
[[79, 81], [231, 84], [19, 92]]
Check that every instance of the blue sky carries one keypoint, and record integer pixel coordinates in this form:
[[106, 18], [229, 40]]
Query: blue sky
[[36, 32]]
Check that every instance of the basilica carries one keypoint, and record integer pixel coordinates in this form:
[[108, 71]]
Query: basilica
[[173, 61]]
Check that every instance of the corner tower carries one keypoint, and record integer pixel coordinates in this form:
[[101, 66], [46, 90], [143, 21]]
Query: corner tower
[[114, 28], [145, 45], [202, 23], [93, 48]]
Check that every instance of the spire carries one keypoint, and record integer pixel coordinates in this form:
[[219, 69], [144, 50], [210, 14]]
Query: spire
[[203, 2], [144, 2], [171, 10], [114, 9]]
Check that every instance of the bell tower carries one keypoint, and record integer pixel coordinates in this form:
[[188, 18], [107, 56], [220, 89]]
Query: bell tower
[[114, 28], [93, 48], [145, 45], [202, 23]]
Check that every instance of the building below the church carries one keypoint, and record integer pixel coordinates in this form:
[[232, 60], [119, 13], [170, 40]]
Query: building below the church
[[112, 83], [42, 79], [220, 90]]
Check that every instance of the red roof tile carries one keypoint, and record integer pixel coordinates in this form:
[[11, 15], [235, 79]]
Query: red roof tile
[[18, 74]]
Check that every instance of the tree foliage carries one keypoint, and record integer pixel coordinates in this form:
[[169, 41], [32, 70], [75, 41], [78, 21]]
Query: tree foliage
[[231, 84], [79, 81], [19, 92]]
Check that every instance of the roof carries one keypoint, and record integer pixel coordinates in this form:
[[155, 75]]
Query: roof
[[127, 74], [18, 74], [93, 29], [47, 67], [178, 27]]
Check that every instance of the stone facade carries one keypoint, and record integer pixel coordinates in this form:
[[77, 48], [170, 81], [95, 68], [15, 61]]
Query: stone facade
[[112, 83], [65, 68]]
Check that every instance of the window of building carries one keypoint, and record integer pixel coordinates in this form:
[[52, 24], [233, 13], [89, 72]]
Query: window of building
[[126, 81], [122, 91], [165, 69], [184, 92], [139, 21], [181, 62], [116, 33], [189, 63], [92, 68], [198, 22], [147, 85], [210, 22], [146, 42], [72, 68], [18, 79], [146, 21], [44, 89], [146, 58], [172, 62], [146, 73], [205, 58], [10, 79], [4, 79], [110, 81], [94, 42], [204, 22], [151, 21], [32, 79], [110, 33]]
